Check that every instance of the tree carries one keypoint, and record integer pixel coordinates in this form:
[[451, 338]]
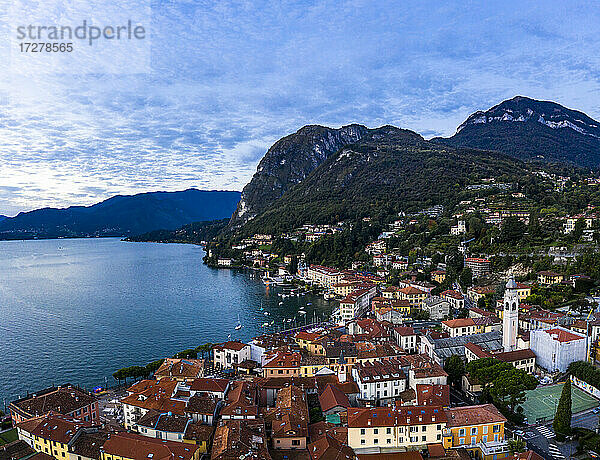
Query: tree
[[516, 446], [562, 418], [455, 367], [512, 230], [466, 277]]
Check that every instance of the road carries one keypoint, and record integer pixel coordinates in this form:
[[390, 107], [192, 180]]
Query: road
[[541, 440]]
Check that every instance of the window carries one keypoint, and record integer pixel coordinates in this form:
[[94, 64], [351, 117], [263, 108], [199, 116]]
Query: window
[[362, 441], [424, 438], [474, 430], [389, 441], [376, 431], [461, 432], [375, 441], [295, 442], [362, 431], [473, 440], [423, 428], [388, 431], [485, 429]]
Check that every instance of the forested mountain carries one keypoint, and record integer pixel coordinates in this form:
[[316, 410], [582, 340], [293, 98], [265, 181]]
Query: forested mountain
[[530, 129], [122, 215], [387, 171], [288, 162], [196, 233]]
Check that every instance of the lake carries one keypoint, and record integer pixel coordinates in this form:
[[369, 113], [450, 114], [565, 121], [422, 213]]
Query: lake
[[76, 310]]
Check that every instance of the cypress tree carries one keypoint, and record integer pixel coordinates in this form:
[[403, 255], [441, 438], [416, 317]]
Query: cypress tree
[[562, 418]]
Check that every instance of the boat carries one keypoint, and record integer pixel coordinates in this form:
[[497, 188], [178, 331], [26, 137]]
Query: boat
[[238, 325], [265, 324], [280, 303], [301, 312], [266, 313]]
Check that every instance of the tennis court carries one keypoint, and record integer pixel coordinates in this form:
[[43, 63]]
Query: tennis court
[[540, 405]]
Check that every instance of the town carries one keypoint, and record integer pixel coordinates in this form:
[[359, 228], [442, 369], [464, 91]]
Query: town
[[406, 371]]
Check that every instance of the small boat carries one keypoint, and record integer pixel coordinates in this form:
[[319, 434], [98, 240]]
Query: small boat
[[266, 313], [265, 324], [280, 303], [238, 325], [301, 312], [309, 303]]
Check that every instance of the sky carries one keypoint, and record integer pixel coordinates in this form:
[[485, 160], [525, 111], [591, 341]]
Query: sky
[[212, 85]]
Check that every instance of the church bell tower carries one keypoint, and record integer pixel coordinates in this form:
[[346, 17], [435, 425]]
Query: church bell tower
[[510, 316]]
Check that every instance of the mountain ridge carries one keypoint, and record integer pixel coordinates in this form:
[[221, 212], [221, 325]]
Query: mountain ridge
[[287, 162], [531, 129], [122, 215]]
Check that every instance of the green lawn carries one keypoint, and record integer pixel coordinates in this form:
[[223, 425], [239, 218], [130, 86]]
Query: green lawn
[[8, 436], [541, 403]]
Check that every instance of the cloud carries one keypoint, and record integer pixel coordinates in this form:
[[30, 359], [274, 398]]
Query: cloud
[[227, 79]]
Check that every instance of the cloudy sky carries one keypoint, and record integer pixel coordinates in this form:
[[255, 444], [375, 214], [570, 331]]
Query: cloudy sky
[[216, 83]]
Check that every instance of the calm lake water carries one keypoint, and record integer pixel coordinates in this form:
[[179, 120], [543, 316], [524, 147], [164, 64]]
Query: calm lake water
[[77, 310]]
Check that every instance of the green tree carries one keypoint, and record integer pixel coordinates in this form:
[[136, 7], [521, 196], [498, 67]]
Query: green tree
[[512, 230], [455, 367], [466, 278], [562, 418], [516, 446]]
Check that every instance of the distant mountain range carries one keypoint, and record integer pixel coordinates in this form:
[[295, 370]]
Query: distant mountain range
[[529, 129], [122, 215]]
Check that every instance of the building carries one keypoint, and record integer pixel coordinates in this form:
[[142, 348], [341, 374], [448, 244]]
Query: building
[[240, 439], [456, 299], [437, 307], [52, 433], [131, 446], [510, 316], [147, 395], [228, 354], [328, 447], [548, 278], [439, 276], [523, 359], [182, 370], [284, 364], [289, 419], [556, 348], [441, 348], [66, 400], [380, 380], [241, 402], [406, 337], [163, 425], [459, 327], [415, 296], [479, 266], [479, 429], [395, 429]]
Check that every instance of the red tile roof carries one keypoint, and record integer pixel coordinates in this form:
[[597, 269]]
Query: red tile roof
[[333, 397], [563, 336]]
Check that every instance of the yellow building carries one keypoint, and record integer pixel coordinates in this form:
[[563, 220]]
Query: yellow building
[[479, 429], [415, 296], [51, 433], [523, 291], [131, 446], [547, 278], [439, 276]]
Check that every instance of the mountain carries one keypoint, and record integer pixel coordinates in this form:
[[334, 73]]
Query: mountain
[[196, 233], [122, 215], [289, 161], [387, 171], [530, 129]]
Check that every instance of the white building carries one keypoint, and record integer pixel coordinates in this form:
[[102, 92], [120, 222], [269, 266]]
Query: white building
[[406, 337], [228, 354], [379, 380], [557, 348], [437, 307]]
